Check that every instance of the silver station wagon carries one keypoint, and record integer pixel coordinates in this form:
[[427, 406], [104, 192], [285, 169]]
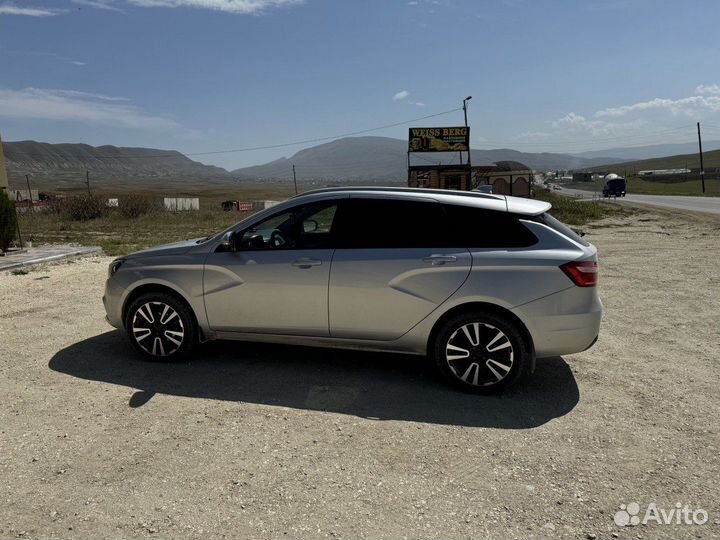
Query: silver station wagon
[[483, 284]]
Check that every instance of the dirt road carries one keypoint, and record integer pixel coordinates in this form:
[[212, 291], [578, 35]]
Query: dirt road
[[253, 441]]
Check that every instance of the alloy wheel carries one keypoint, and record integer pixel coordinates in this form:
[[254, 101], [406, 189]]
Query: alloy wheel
[[479, 354], [158, 329]]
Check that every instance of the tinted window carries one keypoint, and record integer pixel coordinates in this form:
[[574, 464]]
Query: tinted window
[[560, 227], [390, 223], [479, 228], [302, 227]]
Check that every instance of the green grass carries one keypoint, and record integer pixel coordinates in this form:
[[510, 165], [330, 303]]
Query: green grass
[[577, 212], [646, 187], [711, 160]]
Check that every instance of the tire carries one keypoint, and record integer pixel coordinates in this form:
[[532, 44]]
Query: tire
[[161, 327], [481, 353]]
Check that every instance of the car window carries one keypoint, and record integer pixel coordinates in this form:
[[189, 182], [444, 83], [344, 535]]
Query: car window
[[480, 228], [560, 227], [390, 223], [302, 227]]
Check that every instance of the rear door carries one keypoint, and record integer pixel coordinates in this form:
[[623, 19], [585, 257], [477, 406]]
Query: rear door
[[393, 266]]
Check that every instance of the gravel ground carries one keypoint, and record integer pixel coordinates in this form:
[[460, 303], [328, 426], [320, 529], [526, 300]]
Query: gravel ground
[[279, 442]]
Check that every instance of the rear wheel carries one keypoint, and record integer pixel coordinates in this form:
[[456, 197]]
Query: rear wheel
[[480, 352], [161, 327]]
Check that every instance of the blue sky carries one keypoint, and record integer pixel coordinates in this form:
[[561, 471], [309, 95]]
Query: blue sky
[[207, 75]]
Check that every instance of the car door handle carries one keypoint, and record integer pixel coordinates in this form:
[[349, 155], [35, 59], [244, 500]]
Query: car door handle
[[307, 263], [440, 259]]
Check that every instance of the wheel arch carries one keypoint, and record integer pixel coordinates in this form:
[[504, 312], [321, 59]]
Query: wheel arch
[[485, 307], [148, 288]]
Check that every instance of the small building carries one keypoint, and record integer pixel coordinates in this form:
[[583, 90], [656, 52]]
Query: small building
[[582, 177], [176, 204], [506, 178], [456, 177]]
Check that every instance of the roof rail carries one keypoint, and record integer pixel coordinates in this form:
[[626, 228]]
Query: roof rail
[[399, 190]]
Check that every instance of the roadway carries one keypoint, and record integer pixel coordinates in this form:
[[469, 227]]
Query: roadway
[[708, 205]]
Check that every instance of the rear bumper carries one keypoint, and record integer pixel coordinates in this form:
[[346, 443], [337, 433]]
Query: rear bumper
[[567, 322]]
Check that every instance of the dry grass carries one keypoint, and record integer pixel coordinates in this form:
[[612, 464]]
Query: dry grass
[[119, 235]]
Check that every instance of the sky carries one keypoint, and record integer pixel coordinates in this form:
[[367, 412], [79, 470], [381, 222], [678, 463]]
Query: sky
[[209, 77]]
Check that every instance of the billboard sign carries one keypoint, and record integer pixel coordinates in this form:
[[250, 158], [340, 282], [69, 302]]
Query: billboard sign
[[440, 139]]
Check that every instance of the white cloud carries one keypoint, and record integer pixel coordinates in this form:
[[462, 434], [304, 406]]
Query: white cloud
[[240, 7], [12, 9], [75, 106], [402, 94], [689, 105], [531, 136], [570, 120], [99, 4], [419, 104], [708, 89]]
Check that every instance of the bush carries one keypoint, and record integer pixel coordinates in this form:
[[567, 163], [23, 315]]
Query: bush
[[85, 207], [8, 221], [133, 206]]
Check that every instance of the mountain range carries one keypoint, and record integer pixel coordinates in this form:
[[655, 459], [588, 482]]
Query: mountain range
[[384, 159], [350, 159], [104, 162]]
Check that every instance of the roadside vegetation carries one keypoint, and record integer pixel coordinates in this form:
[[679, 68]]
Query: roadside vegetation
[[137, 223], [577, 211], [140, 222], [646, 187]]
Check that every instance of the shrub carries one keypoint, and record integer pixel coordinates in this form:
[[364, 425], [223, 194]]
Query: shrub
[[85, 207], [8, 221], [133, 206]]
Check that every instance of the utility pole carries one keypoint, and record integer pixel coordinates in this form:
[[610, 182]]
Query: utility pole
[[27, 179], [87, 180], [469, 159], [295, 179], [702, 167]]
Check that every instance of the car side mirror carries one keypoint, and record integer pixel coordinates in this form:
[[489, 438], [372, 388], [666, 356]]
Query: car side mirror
[[310, 226], [228, 241]]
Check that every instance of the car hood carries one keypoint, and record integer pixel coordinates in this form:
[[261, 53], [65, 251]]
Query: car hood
[[176, 248]]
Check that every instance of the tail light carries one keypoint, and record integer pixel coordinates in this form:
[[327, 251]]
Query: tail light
[[582, 273]]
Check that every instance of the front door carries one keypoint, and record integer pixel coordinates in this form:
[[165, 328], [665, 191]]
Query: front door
[[392, 267], [276, 281]]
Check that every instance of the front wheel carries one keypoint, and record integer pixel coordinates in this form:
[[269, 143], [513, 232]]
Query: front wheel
[[161, 327], [481, 353]]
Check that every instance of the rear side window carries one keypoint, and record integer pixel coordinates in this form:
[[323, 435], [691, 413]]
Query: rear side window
[[390, 223], [480, 228], [560, 227]]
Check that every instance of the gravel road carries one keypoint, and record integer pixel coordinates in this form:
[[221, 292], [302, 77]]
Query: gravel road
[[252, 441]]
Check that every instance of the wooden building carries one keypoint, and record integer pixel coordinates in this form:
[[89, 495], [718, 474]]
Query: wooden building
[[505, 177]]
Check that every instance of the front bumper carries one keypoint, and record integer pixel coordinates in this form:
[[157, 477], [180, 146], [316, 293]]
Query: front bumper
[[112, 300]]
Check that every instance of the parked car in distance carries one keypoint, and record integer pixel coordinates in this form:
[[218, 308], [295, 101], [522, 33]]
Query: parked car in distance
[[483, 189], [483, 284]]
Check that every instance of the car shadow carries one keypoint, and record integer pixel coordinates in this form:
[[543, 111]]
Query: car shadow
[[369, 385]]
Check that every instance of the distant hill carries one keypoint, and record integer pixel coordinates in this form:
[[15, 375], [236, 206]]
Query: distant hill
[[384, 159], [648, 152], [64, 162], [711, 161]]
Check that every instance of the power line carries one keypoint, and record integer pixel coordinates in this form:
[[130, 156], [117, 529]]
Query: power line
[[254, 148]]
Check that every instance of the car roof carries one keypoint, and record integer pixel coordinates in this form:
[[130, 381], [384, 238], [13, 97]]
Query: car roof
[[516, 205]]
